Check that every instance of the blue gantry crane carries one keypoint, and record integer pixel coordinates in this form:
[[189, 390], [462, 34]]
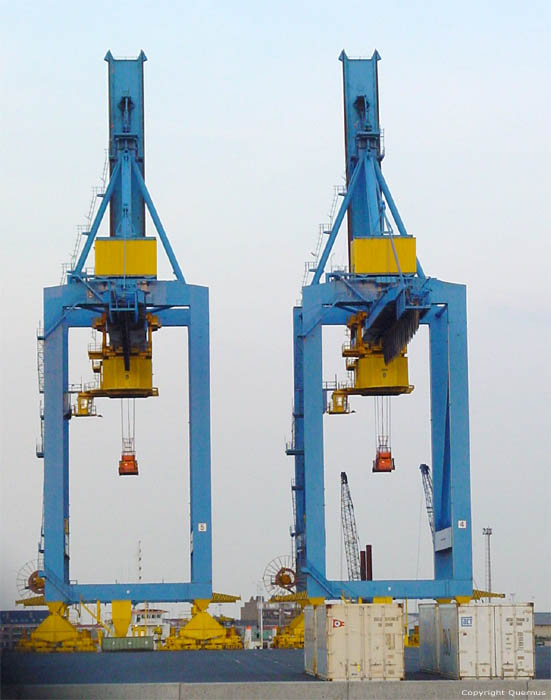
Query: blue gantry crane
[[381, 299], [123, 299]]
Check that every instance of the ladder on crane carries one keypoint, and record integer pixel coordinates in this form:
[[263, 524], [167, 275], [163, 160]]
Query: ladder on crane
[[350, 531], [40, 369], [292, 531], [325, 229]]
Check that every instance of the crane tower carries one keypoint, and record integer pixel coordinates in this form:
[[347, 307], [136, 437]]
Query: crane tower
[[381, 299], [123, 299]]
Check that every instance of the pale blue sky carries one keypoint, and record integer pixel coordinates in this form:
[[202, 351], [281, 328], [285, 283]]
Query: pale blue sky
[[244, 143]]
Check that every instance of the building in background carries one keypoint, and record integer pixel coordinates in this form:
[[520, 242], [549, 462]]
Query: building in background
[[274, 615], [13, 623], [542, 628]]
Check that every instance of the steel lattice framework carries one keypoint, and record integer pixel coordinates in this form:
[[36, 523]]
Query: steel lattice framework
[[349, 531], [427, 488]]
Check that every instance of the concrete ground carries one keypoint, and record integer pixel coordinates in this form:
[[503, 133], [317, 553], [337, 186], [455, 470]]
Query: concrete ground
[[229, 675], [186, 667], [355, 690]]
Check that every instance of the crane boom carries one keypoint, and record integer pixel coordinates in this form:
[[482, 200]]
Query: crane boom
[[427, 487], [349, 531]]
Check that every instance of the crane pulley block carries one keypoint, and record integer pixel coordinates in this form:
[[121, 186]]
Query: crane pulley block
[[374, 377], [137, 382], [124, 358], [365, 359]]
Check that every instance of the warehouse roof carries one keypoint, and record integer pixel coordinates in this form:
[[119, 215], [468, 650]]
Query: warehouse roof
[[542, 618], [22, 617]]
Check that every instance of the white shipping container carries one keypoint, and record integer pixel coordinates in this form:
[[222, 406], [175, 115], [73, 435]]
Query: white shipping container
[[349, 641], [428, 637], [477, 641], [309, 640]]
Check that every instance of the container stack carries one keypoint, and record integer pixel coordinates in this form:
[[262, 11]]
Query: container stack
[[348, 641], [477, 641]]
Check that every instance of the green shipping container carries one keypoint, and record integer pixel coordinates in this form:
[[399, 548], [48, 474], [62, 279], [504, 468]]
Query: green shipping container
[[127, 644]]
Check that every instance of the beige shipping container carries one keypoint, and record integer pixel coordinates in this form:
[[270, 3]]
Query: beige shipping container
[[349, 641], [477, 641]]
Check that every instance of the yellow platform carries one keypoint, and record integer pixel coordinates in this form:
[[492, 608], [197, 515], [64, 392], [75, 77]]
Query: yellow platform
[[84, 405], [339, 406]]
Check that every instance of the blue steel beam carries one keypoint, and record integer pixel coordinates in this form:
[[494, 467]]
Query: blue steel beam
[[140, 592], [394, 210], [72, 303], [73, 593], [98, 219], [313, 454], [126, 134], [457, 429], [397, 589], [158, 225], [56, 431], [298, 446], [199, 437], [362, 136], [338, 221], [125, 228], [390, 200], [83, 318]]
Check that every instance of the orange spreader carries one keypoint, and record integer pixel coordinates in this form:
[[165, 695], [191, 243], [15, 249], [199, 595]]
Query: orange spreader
[[383, 462], [128, 466]]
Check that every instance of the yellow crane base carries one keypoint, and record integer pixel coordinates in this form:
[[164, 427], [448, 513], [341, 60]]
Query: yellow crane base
[[412, 640], [291, 636], [57, 634], [203, 631]]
